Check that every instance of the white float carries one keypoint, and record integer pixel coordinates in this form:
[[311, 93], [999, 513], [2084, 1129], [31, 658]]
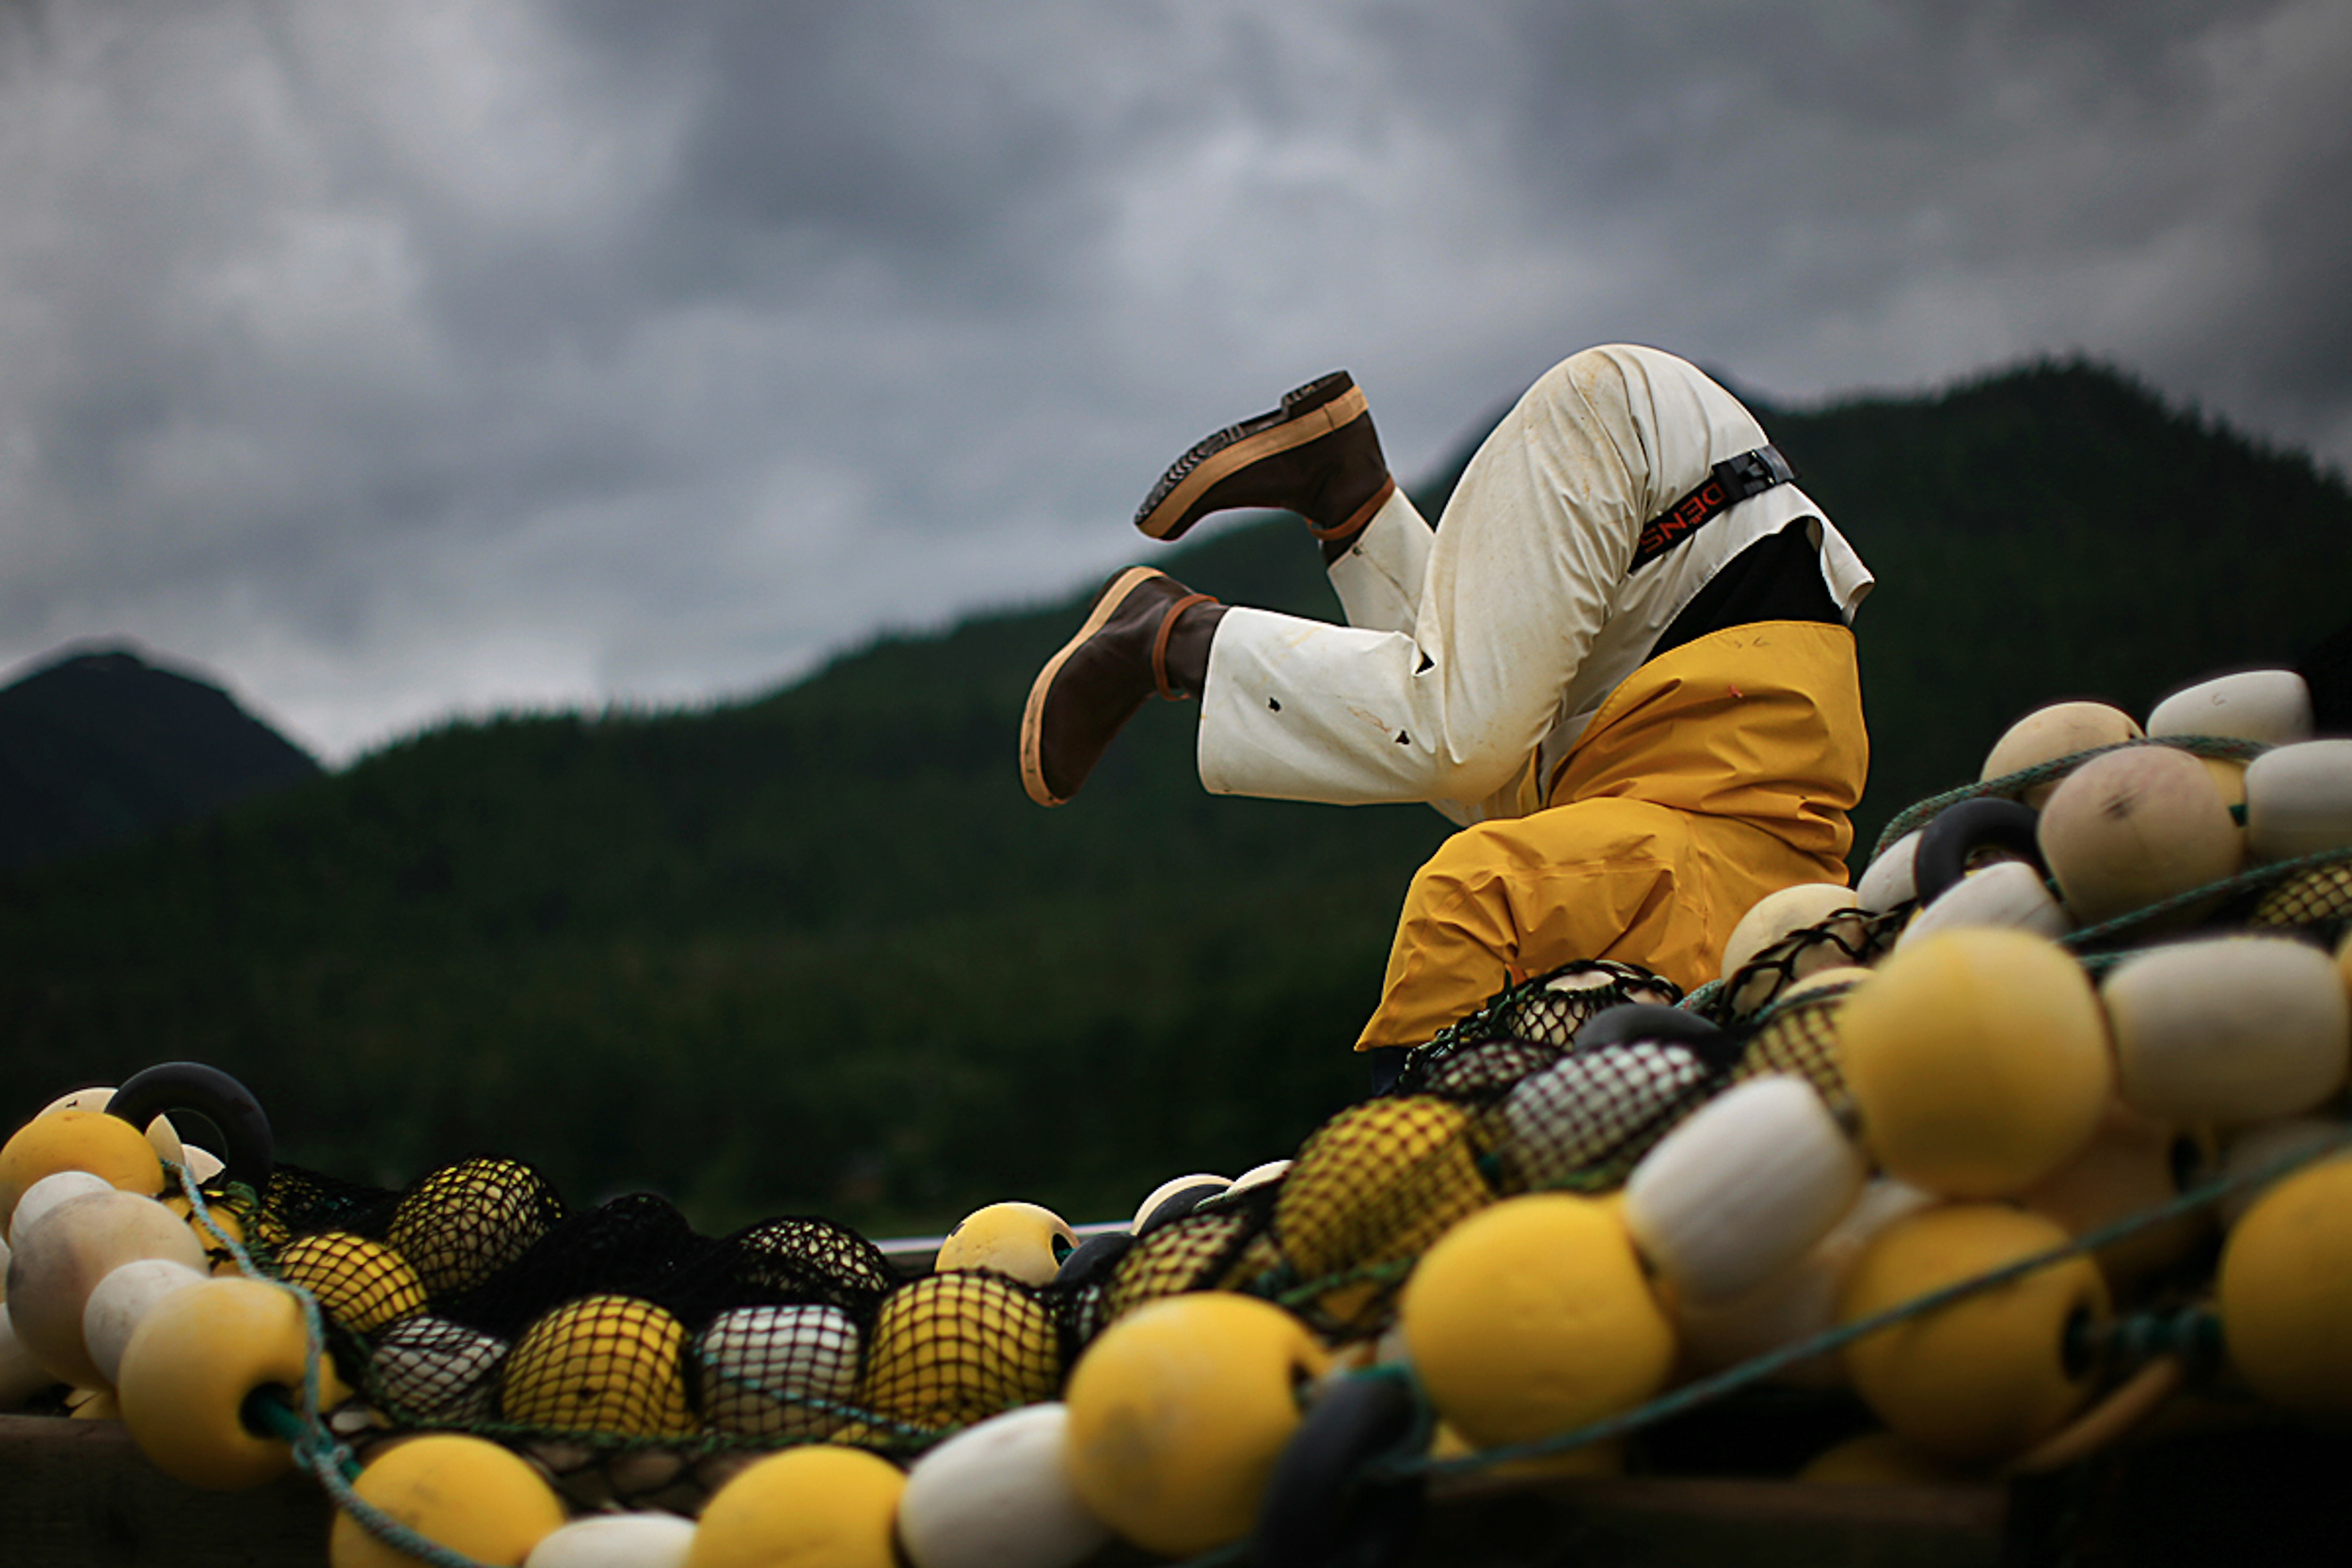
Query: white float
[[1743, 1188], [616, 1541], [999, 1496], [1893, 877], [2272, 706], [2228, 1030], [56, 1261], [2008, 894], [120, 1302], [2299, 801]]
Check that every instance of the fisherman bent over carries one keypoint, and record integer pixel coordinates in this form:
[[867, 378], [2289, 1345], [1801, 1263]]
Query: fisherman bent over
[[1621, 662]]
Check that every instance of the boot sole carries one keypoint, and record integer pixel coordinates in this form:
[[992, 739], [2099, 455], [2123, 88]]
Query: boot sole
[[1033, 713], [1308, 414]]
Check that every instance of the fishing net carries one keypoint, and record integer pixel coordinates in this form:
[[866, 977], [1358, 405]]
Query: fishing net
[[1847, 939], [2319, 899], [952, 1349], [1544, 1011]]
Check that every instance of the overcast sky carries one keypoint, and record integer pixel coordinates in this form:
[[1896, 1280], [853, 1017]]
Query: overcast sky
[[394, 359]]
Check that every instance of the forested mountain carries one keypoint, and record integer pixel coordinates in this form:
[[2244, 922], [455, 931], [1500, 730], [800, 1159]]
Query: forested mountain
[[818, 952], [100, 747]]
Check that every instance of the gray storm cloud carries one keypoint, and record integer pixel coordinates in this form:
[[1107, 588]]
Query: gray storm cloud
[[393, 361]]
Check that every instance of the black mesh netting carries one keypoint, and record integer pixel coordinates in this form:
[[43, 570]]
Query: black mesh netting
[[2318, 900], [1546, 1011], [1847, 939]]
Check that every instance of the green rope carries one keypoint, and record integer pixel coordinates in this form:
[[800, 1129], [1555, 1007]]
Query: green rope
[[1691, 1396], [303, 1426], [2011, 785], [2228, 887]]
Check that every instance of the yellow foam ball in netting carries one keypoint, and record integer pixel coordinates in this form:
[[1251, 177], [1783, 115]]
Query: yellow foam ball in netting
[[1376, 1185], [463, 1492], [1534, 1318], [191, 1364], [953, 1349], [817, 1507], [2286, 1290], [104, 1145], [1987, 1375], [1194, 1253], [608, 1363], [461, 1224], [360, 1283], [1978, 1059], [1178, 1412]]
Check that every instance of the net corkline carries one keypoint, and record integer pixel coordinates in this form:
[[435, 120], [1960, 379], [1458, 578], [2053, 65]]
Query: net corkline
[[1237, 1248]]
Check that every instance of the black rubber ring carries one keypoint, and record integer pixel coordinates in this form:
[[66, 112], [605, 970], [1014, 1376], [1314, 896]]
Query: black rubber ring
[[1318, 1512], [1655, 1023], [1093, 1260], [1960, 831], [211, 1094]]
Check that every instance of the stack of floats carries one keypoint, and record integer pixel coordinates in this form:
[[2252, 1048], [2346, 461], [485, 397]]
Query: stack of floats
[[1928, 1137]]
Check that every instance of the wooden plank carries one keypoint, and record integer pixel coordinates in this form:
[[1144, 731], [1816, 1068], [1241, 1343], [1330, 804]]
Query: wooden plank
[[80, 1494], [1635, 1522]]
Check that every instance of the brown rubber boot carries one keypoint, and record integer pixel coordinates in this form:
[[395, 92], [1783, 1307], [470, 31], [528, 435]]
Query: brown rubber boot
[[1316, 455], [1145, 633]]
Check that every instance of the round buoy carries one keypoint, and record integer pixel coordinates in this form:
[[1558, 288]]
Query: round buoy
[[616, 1541], [2271, 706], [2286, 1291], [1979, 1060], [602, 1364], [50, 1191], [59, 1259], [1742, 1188], [953, 1349], [1377, 1184], [191, 1364], [2266, 1144], [430, 1371], [999, 1496], [463, 1223], [120, 1303], [2299, 801], [2130, 1164], [1533, 1317], [1178, 1412], [361, 1283], [1989, 1374], [1023, 1241], [162, 1136], [771, 1371], [2133, 828], [820, 1507], [464, 1493], [92, 1141], [2228, 1029], [1775, 915], [2048, 734], [1797, 1303]]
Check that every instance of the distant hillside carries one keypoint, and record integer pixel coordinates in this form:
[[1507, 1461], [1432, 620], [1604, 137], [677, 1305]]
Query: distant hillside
[[818, 952], [101, 747]]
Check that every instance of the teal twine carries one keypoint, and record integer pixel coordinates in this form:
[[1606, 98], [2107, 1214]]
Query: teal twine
[[316, 1449], [2245, 882], [1706, 1390], [2011, 785]]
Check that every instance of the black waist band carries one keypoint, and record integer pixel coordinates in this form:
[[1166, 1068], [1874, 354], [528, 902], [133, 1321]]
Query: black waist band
[[1731, 482]]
